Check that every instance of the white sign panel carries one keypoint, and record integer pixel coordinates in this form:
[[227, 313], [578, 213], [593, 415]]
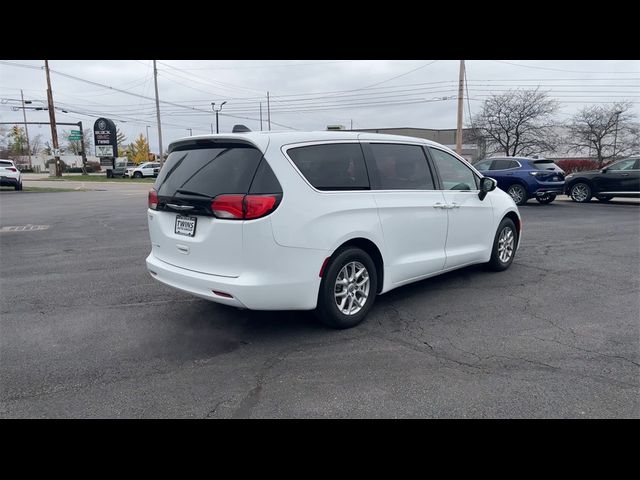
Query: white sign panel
[[56, 152], [104, 150]]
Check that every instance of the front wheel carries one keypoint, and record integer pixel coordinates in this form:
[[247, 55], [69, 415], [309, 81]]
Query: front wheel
[[348, 289], [504, 246], [518, 193], [580, 192], [137, 175], [546, 199]]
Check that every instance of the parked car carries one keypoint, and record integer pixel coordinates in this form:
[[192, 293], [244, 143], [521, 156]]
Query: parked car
[[320, 221], [120, 168], [147, 169], [620, 179], [524, 178], [10, 176]]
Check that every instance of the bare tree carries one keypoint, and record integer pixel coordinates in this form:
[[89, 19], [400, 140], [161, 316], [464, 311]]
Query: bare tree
[[607, 129], [36, 144], [75, 146], [518, 122]]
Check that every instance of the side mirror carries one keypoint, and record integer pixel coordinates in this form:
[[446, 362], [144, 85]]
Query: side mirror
[[486, 185]]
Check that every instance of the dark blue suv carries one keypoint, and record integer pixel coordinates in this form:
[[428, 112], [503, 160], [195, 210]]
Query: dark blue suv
[[524, 178]]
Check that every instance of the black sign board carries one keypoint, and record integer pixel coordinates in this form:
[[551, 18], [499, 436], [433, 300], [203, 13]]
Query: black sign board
[[106, 142]]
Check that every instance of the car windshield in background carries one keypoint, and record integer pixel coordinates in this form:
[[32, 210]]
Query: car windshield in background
[[223, 168], [545, 165]]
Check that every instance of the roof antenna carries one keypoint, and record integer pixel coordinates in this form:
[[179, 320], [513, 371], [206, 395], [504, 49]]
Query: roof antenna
[[240, 129]]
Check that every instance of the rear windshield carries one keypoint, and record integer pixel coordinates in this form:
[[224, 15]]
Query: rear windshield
[[545, 165], [221, 168], [6, 164]]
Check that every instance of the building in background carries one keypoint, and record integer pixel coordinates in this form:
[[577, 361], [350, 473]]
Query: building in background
[[472, 149]]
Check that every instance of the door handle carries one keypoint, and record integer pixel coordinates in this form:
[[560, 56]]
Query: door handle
[[625, 175], [440, 205], [454, 205]]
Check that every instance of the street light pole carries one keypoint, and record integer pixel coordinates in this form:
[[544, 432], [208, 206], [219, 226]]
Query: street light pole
[[213, 106], [26, 129]]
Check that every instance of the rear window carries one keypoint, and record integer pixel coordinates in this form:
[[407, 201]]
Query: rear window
[[400, 167], [338, 166], [545, 165], [210, 171], [6, 164]]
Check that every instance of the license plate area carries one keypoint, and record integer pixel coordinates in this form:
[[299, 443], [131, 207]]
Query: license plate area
[[185, 225]]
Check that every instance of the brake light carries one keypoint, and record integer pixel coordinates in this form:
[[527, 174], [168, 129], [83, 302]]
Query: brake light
[[11, 169], [228, 206], [153, 199], [243, 207], [258, 205]]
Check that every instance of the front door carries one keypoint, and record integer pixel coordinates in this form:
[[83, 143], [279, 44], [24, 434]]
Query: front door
[[471, 224], [622, 176]]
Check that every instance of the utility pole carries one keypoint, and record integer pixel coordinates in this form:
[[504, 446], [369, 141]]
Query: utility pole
[[52, 119], [268, 112], [155, 77], [260, 116], [213, 106], [83, 152], [212, 128], [148, 134], [26, 129], [615, 138], [460, 108], [352, 124]]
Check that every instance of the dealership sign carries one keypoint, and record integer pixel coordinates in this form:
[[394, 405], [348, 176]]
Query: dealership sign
[[104, 132]]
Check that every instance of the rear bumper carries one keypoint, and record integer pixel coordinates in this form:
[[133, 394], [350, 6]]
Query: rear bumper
[[555, 188], [278, 290], [9, 181]]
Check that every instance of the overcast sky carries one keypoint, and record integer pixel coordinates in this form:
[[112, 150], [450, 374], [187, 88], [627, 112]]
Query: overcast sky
[[305, 94]]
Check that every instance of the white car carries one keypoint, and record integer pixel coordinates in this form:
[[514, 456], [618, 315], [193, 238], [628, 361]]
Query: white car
[[9, 175], [320, 220], [147, 169]]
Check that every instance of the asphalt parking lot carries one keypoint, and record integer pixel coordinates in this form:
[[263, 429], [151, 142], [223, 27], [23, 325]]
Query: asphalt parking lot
[[86, 332]]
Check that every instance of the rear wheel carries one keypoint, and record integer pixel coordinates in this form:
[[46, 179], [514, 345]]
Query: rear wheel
[[603, 198], [504, 246], [580, 192], [137, 175], [518, 193], [18, 186], [348, 289], [546, 199]]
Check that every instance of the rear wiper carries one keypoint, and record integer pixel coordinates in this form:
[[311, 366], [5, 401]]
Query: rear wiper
[[188, 192]]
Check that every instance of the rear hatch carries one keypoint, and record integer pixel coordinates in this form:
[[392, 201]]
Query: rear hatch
[[7, 169], [184, 231], [548, 171]]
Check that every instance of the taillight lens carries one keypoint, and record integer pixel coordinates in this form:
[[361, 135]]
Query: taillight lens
[[12, 169], [243, 207], [153, 199], [228, 206], [258, 205]]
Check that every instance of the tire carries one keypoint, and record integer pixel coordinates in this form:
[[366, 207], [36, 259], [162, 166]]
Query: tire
[[498, 261], [546, 199], [137, 175], [518, 193], [580, 192], [18, 186], [604, 198], [344, 262]]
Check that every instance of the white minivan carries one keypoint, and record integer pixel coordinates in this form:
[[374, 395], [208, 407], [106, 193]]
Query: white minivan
[[320, 221]]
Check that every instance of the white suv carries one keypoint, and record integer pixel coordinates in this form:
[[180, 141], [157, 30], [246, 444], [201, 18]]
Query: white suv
[[9, 175], [147, 169], [320, 220]]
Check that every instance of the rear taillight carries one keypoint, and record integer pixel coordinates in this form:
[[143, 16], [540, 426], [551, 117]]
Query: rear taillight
[[153, 199], [257, 206], [228, 206], [243, 207], [11, 169]]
